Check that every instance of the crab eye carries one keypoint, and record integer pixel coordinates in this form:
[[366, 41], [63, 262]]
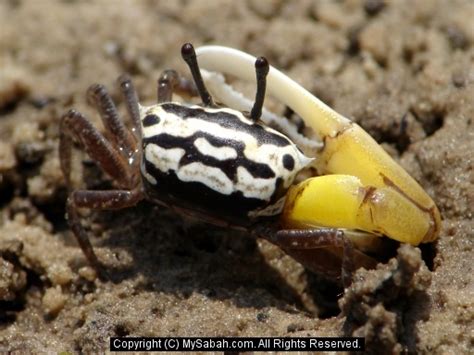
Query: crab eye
[[151, 120]]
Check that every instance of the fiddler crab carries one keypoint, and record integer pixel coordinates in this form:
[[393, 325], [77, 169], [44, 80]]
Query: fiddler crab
[[222, 163]]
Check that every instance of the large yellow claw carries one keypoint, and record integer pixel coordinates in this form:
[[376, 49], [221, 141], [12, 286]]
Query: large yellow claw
[[373, 193], [343, 201]]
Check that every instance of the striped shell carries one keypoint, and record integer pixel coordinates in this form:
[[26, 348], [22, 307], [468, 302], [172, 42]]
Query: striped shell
[[216, 161]]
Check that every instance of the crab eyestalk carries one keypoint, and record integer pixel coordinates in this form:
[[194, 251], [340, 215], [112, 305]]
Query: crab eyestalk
[[385, 199]]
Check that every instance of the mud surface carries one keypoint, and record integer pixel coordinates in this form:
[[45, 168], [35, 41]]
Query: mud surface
[[404, 70]]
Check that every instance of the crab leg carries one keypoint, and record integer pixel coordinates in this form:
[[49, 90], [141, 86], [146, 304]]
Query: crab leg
[[348, 150]]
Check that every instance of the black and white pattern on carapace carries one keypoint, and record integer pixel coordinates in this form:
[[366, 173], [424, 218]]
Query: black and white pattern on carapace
[[215, 159], [150, 120]]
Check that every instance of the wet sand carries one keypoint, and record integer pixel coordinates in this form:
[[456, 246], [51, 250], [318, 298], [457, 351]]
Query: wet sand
[[376, 64]]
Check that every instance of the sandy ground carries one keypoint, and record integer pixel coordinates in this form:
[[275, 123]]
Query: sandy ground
[[377, 64]]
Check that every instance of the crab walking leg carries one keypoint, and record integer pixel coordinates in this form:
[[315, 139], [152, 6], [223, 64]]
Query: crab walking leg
[[121, 137], [74, 124], [131, 103], [296, 241], [101, 200], [348, 149]]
